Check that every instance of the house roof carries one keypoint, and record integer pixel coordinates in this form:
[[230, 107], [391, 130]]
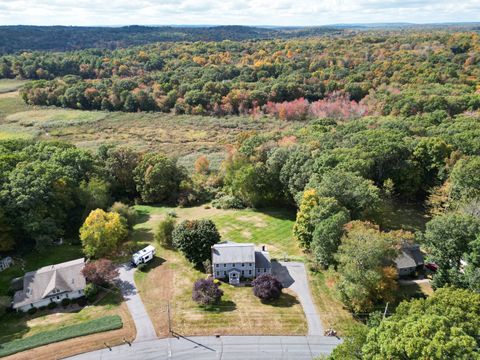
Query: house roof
[[262, 260], [411, 256], [230, 252], [50, 280]]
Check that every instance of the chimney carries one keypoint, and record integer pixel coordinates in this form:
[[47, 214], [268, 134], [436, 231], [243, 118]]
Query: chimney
[[263, 248]]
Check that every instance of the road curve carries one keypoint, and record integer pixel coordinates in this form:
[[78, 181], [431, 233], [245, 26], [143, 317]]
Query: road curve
[[225, 348], [143, 324]]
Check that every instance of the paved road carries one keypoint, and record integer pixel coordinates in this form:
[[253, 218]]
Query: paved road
[[145, 329], [225, 348], [293, 276]]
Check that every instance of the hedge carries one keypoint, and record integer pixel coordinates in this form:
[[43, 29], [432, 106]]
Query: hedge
[[90, 327]]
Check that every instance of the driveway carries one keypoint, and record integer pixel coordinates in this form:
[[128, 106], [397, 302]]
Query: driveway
[[145, 329], [294, 276], [224, 347]]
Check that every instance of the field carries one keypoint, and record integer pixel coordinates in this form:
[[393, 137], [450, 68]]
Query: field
[[184, 136], [9, 85]]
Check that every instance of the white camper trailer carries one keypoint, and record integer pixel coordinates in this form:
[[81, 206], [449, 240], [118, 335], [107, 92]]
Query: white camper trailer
[[143, 256]]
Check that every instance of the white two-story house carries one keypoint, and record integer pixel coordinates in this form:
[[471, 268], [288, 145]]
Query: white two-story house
[[234, 261]]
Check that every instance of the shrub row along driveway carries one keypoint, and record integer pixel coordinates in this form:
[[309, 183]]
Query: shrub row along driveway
[[145, 329], [294, 276]]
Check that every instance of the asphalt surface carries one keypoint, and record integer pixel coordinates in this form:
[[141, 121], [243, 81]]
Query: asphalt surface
[[143, 324], [225, 347], [294, 276]]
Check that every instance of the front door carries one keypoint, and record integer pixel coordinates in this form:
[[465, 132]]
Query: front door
[[234, 277]]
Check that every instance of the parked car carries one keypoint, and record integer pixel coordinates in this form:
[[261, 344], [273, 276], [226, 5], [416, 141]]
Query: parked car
[[432, 267]]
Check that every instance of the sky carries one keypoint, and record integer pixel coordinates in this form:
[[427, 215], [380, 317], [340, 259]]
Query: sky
[[234, 12]]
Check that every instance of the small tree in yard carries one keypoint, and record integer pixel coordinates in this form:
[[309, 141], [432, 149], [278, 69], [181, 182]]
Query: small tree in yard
[[195, 239], [267, 287], [100, 272], [165, 228], [206, 292]]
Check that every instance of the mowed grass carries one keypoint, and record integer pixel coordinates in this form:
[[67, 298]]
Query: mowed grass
[[63, 333], [332, 312], [8, 85], [271, 227], [167, 283]]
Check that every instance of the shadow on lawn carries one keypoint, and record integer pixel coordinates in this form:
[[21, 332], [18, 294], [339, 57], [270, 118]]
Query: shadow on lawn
[[222, 307], [280, 213], [285, 301]]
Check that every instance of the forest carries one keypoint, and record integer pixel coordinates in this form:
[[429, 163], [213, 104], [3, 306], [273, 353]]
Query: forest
[[15, 39], [378, 116], [348, 76]]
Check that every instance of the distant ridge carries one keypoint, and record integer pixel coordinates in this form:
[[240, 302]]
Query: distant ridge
[[14, 39]]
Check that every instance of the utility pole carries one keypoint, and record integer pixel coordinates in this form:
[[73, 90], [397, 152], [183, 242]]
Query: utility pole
[[385, 312], [169, 318]]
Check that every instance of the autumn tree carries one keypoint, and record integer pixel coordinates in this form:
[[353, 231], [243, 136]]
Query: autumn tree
[[365, 258], [100, 272], [102, 233], [206, 292]]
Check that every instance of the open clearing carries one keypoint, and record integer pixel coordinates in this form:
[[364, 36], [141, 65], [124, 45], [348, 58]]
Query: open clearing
[[169, 279], [9, 85], [181, 135]]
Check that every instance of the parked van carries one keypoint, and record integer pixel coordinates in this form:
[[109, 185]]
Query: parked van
[[143, 256]]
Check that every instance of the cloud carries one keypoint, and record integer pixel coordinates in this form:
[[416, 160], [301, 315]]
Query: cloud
[[245, 12]]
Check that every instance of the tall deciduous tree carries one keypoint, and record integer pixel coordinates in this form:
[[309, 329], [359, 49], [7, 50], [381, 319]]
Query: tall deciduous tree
[[364, 264], [102, 233], [158, 178]]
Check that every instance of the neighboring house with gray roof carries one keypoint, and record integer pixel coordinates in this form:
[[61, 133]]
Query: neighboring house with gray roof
[[234, 261], [51, 283], [410, 260]]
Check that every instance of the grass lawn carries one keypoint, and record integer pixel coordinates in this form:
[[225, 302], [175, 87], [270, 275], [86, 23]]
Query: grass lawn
[[396, 215], [169, 280], [8, 85], [270, 227], [331, 310], [63, 333]]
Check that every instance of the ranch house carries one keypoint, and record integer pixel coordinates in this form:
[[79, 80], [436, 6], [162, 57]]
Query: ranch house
[[51, 283]]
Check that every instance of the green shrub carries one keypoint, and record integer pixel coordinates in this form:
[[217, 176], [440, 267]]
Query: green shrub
[[42, 308], [66, 302], [163, 234], [32, 310], [228, 202], [91, 292], [52, 305], [89, 327]]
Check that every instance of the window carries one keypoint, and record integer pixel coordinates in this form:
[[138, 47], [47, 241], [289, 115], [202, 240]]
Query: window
[[224, 265], [218, 273], [216, 265], [264, 270], [243, 273], [249, 272], [233, 265], [243, 264]]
